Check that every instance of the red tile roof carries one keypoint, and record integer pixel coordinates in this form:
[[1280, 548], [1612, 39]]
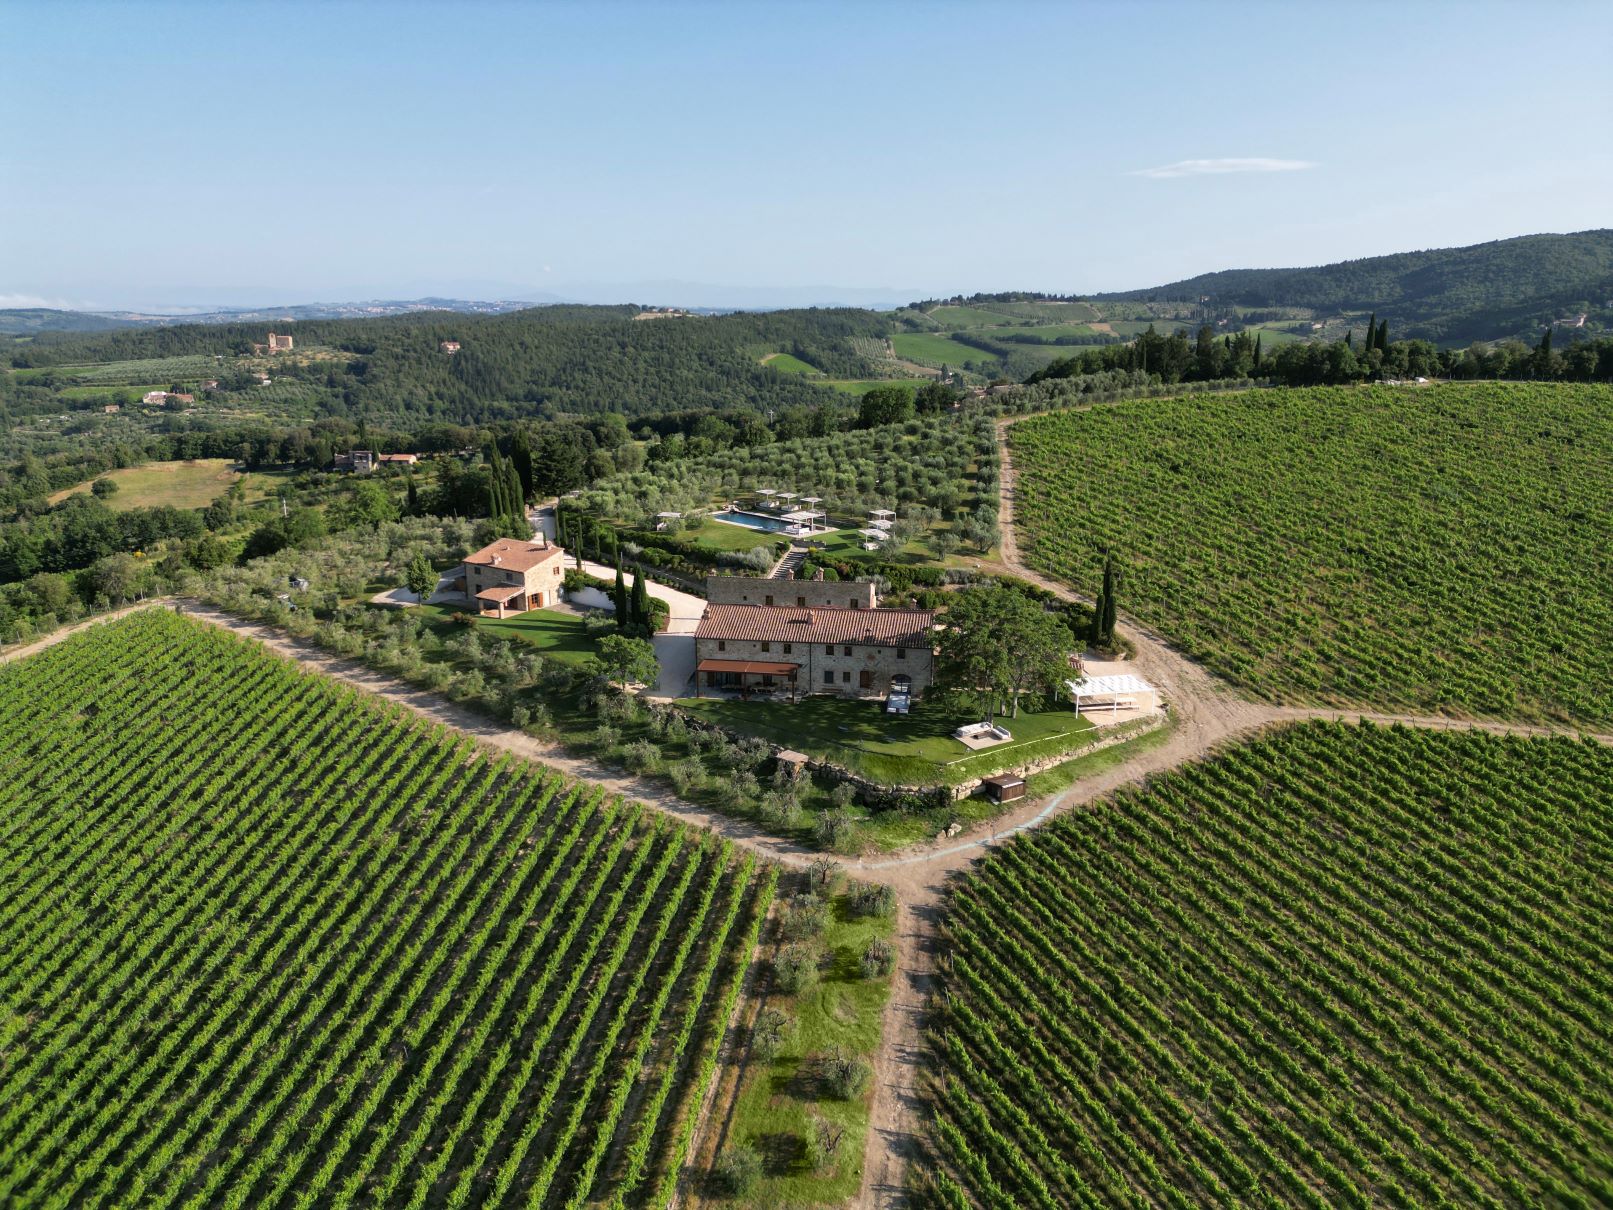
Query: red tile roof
[[791, 624], [514, 555]]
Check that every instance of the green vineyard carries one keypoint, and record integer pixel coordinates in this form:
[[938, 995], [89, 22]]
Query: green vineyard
[[265, 942], [1337, 966], [1442, 548]]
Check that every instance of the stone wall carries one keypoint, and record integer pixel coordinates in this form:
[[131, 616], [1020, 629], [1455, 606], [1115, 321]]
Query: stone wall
[[814, 594]]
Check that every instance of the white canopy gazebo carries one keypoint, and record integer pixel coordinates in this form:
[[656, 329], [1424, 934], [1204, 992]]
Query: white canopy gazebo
[[881, 512], [1121, 692], [802, 518], [882, 525]]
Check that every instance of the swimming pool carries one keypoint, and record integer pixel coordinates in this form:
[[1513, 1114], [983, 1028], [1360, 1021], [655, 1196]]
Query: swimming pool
[[771, 525]]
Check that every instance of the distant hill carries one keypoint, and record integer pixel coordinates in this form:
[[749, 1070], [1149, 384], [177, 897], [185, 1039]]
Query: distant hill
[[20, 321], [1509, 287]]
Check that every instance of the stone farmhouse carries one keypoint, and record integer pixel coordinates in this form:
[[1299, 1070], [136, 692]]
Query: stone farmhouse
[[512, 576], [777, 647], [810, 594]]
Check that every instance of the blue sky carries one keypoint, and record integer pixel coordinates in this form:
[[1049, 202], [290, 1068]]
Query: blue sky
[[212, 153]]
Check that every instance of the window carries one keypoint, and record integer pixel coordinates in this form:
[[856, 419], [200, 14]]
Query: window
[[769, 598], [766, 646], [801, 602], [846, 650], [828, 676], [787, 649], [901, 653], [845, 677], [722, 644], [828, 649], [854, 605]]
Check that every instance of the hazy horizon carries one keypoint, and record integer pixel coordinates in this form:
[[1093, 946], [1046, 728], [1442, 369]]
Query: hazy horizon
[[502, 151]]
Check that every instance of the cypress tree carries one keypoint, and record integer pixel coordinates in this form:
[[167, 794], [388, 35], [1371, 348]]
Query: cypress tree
[[641, 599], [1095, 628], [512, 493], [1109, 598], [1372, 332], [410, 496], [1383, 336], [1257, 350], [618, 596], [1349, 339]]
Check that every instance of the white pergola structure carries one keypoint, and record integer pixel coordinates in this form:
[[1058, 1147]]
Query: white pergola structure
[[882, 525], [802, 520], [1122, 692], [767, 494], [881, 512]]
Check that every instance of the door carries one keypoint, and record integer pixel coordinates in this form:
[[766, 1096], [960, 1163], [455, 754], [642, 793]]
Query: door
[[865, 679]]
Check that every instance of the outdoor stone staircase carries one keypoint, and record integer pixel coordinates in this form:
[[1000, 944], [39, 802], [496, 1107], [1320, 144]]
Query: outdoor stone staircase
[[786, 567]]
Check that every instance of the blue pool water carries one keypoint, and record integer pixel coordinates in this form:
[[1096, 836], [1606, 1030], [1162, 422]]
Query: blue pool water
[[770, 525]]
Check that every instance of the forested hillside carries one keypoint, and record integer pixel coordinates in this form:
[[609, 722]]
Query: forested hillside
[[543, 361], [1453, 295]]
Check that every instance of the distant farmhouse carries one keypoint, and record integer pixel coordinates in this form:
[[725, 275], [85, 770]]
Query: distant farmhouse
[[449, 346], [364, 461], [512, 576], [279, 344], [790, 638]]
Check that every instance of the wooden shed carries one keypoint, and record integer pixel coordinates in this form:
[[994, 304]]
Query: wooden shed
[[1005, 787]]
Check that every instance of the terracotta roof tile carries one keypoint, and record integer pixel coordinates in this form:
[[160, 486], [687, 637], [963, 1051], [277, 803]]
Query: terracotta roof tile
[[791, 624], [515, 555]]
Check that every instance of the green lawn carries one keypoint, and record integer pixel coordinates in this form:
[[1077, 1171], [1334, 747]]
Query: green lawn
[[788, 363], [935, 348], [560, 636], [915, 749], [777, 1108], [721, 535]]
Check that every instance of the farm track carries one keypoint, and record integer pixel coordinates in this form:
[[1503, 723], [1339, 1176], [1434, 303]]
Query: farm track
[[1208, 715]]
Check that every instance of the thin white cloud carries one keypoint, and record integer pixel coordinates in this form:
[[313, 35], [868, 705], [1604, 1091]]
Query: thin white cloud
[[1220, 167], [31, 302]]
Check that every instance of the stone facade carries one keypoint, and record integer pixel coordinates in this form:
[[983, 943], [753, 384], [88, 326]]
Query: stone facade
[[844, 669], [814, 594]]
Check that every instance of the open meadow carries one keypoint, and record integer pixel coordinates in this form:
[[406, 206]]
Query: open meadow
[[266, 942], [194, 483], [1337, 966], [1442, 549]]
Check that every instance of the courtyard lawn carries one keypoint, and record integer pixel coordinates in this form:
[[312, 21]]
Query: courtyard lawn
[[912, 749], [722, 535], [189, 484], [560, 636]]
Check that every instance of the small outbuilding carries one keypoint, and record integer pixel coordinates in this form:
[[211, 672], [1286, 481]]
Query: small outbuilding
[[1005, 787], [794, 762]]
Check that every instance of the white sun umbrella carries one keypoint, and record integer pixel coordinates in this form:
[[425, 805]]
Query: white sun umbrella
[[786, 495], [882, 524], [668, 516], [811, 499], [767, 491]]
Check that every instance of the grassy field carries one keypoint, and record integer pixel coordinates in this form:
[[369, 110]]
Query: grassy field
[[150, 369], [912, 749], [779, 1104], [269, 941], [787, 363], [560, 636], [720, 535], [975, 317], [1437, 549], [861, 386], [1051, 332], [934, 348], [1332, 967], [193, 484]]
